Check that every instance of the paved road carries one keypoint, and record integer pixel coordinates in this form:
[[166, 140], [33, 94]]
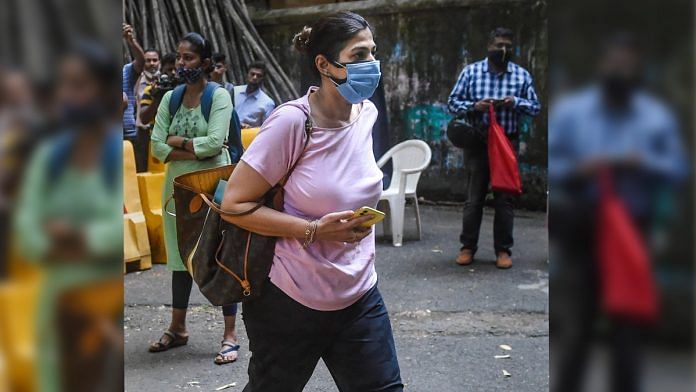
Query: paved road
[[448, 320]]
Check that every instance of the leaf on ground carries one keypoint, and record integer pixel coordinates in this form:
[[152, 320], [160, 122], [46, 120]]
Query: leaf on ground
[[505, 347], [506, 373], [234, 384]]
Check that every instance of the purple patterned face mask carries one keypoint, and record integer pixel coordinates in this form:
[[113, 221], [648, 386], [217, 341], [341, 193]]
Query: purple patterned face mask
[[189, 75]]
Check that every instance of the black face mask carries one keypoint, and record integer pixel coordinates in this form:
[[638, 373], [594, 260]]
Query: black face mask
[[499, 57], [618, 88]]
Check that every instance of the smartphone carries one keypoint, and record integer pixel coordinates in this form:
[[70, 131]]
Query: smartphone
[[376, 215]]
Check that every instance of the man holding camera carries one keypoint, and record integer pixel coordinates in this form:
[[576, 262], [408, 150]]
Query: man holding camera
[[150, 75], [495, 81], [151, 71], [152, 95]]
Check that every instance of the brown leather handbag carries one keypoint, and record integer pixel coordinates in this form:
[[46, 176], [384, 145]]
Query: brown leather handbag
[[228, 263]]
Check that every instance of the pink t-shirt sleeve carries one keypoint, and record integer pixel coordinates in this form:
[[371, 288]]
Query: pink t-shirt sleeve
[[278, 144]]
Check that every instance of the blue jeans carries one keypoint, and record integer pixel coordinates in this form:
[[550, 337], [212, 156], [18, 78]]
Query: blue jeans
[[287, 339]]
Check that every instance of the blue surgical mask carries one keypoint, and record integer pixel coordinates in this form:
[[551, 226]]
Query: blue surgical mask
[[361, 82]]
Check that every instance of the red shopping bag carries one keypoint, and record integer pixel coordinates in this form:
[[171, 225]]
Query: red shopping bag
[[626, 281], [502, 161]]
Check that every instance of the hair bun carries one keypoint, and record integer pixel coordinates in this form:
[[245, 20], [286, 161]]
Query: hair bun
[[301, 39]]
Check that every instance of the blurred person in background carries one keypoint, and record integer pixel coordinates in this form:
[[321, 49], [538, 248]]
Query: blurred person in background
[[613, 124], [149, 76], [187, 143], [251, 103], [150, 72], [18, 119], [68, 221], [149, 102], [495, 80], [153, 93], [219, 72], [131, 74], [18, 116]]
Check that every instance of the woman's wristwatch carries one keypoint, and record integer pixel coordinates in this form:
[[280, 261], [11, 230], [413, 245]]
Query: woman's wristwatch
[[183, 144]]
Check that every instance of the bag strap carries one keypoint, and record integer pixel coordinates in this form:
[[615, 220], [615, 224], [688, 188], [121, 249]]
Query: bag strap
[[244, 282], [308, 133], [177, 99], [207, 99], [491, 115], [283, 181], [220, 211]]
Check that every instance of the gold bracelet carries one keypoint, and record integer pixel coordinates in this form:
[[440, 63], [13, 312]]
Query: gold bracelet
[[310, 232], [307, 233], [315, 225]]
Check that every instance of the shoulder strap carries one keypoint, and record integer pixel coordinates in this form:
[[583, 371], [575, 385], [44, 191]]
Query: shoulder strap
[[308, 134], [59, 155], [112, 159], [176, 99], [207, 99], [220, 211]]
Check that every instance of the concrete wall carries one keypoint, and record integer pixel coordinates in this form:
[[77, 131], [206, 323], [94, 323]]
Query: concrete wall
[[423, 45]]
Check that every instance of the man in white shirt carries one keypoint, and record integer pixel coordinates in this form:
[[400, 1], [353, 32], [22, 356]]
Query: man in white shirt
[[252, 104]]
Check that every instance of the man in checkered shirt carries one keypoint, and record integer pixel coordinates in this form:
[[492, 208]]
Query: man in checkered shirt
[[496, 81]]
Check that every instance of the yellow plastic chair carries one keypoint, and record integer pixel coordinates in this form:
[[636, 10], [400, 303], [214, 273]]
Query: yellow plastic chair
[[19, 301], [4, 374], [136, 244], [154, 165], [248, 136], [151, 185]]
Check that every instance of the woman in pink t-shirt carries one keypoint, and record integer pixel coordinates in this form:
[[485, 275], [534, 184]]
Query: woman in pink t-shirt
[[321, 300]]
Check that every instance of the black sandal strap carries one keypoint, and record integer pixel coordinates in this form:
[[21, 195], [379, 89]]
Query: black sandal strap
[[171, 334]]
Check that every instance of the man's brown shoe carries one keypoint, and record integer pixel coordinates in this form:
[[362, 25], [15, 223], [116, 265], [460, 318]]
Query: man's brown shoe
[[465, 257], [503, 261]]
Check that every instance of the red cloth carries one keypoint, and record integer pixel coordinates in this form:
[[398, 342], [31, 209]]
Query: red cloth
[[502, 160], [627, 285]]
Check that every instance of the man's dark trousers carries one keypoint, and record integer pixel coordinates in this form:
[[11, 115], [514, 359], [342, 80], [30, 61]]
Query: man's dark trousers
[[477, 181]]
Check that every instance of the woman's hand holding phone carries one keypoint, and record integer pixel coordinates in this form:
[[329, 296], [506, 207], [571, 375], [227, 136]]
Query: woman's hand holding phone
[[343, 227]]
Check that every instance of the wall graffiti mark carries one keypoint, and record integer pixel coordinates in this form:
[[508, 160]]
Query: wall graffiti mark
[[428, 122]]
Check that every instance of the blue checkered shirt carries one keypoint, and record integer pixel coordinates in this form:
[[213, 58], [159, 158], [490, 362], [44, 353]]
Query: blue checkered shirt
[[476, 83], [128, 86]]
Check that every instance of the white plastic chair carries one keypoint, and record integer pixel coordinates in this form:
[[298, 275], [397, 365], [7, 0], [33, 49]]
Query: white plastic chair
[[409, 159]]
